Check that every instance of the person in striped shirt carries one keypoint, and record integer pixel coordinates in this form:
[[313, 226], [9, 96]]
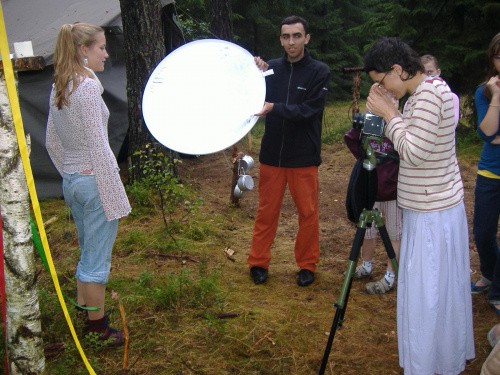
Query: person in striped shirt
[[434, 306]]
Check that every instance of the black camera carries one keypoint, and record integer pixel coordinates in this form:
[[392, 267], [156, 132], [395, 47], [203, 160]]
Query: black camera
[[369, 124]]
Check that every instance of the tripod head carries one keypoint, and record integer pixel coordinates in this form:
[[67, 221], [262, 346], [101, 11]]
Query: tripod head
[[371, 160]]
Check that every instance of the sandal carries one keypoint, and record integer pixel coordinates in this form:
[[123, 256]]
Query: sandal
[[378, 287], [475, 289], [361, 273]]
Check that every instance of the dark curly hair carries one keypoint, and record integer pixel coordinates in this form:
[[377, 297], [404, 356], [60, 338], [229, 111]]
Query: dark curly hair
[[388, 51]]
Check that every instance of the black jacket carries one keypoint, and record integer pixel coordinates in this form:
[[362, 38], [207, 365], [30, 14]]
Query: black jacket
[[292, 136]]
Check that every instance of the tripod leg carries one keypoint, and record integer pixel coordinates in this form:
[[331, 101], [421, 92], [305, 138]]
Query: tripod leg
[[388, 247], [341, 303], [351, 269]]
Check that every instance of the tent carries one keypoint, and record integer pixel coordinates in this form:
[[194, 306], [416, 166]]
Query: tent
[[39, 22]]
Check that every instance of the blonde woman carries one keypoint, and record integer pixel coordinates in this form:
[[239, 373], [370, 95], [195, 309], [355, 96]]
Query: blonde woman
[[77, 142]]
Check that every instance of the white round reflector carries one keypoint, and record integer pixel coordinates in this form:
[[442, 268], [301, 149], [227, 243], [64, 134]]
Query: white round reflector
[[202, 97]]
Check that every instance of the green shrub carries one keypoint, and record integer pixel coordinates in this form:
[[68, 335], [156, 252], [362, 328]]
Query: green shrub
[[160, 184]]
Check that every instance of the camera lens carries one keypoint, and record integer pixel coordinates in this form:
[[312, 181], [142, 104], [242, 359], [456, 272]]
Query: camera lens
[[358, 121]]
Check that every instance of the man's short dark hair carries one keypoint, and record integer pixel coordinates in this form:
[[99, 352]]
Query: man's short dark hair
[[388, 51], [291, 20]]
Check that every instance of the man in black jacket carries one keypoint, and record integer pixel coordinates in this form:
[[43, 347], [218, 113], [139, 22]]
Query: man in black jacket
[[290, 150]]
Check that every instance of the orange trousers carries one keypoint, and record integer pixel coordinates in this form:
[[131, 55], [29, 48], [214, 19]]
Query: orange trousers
[[303, 184]]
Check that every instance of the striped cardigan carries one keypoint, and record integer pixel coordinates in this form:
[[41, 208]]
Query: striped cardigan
[[429, 177]]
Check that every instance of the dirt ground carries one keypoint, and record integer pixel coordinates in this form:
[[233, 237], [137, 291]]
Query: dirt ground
[[368, 338]]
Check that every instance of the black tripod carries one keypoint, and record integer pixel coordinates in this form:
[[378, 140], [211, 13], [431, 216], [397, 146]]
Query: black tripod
[[365, 219]]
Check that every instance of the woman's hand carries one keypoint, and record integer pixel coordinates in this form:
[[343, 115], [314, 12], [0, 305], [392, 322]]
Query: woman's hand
[[490, 124], [381, 103], [494, 86]]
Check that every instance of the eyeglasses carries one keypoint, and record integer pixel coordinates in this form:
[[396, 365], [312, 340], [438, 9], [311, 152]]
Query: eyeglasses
[[381, 82]]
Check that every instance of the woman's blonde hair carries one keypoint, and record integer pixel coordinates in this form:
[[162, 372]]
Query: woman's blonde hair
[[68, 62]]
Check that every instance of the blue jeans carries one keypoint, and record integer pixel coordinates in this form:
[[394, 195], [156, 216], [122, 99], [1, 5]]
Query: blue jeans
[[96, 235], [486, 215]]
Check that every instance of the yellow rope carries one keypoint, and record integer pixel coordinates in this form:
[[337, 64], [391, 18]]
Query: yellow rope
[[18, 123]]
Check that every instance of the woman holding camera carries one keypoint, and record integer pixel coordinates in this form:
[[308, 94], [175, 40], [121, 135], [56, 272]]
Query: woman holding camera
[[434, 307]]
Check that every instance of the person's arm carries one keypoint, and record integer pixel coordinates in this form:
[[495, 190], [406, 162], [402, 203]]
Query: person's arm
[[267, 107], [95, 134], [104, 165], [415, 137], [312, 105], [488, 112], [456, 107], [53, 144]]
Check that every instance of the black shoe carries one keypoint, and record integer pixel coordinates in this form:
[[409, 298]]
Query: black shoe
[[258, 274], [306, 277]]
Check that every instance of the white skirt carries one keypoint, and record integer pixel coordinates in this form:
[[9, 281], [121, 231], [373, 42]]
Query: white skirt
[[434, 308]]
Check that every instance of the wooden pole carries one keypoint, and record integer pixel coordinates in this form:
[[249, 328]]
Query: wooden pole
[[356, 83]]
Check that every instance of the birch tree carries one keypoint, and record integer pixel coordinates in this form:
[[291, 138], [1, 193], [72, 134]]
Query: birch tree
[[24, 333]]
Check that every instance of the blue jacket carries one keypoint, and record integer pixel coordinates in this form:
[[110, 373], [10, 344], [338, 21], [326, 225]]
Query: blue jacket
[[490, 156], [292, 136]]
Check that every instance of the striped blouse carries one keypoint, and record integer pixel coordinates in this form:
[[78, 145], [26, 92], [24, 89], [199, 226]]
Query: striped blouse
[[429, 176]]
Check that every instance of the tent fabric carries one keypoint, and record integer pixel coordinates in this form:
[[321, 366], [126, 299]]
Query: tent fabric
[[39, 22]]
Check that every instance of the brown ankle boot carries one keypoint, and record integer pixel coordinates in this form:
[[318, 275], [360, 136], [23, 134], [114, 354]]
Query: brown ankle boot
[[112, 337]]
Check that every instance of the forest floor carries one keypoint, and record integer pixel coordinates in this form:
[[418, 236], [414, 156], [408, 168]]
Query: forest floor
[[273, 328], [367, 341]]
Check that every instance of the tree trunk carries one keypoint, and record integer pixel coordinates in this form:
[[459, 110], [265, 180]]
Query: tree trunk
[[24, 333], [221, 24], [143, 34]]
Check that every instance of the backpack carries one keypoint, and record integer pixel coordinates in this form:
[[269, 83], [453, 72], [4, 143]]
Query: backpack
[[361, 191]]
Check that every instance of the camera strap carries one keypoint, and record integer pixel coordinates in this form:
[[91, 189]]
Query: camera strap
[[382, 157]]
